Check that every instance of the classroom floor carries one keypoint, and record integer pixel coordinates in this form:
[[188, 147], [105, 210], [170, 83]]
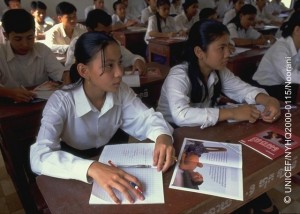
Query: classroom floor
[[10, 203]]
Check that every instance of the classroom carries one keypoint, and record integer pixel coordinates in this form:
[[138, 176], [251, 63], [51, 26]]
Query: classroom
[[185, 83]]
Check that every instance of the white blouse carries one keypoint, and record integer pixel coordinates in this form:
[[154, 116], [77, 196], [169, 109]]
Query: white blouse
[[241, 33], [272, 69], [71, 117], [175, 102]]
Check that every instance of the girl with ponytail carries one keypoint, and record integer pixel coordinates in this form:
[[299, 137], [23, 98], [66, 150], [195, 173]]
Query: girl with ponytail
[[79, 120], [282, 60]]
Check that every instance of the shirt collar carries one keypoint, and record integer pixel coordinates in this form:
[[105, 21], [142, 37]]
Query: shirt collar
[[83, 105], [10, 55]]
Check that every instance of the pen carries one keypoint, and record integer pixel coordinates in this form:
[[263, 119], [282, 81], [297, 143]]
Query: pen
[[134, 185]]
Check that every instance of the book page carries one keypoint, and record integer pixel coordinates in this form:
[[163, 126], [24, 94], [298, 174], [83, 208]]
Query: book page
[[45, 90], [131, 154], [208, 167], [131, 79]]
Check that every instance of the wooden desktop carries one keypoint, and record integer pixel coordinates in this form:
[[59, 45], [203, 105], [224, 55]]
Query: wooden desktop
[[260, 175]]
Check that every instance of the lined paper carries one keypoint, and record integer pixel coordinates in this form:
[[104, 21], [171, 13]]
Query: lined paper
[[131, 154]]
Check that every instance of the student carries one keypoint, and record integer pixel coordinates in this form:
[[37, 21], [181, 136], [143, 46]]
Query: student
[[188, 17], [38, 10], [242, 32], [262, 16], [161, 24], [24, 63], [99, 20], [148, 11], [12, 4], [87, 114], [134, 8], [191, 89], [223, 7], [58, 38], [98, 4], [275, 7], [208, 13], [272, 71], [230, 14], [119, 17], [175, 8]]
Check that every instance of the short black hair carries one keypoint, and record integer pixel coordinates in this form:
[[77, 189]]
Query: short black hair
[[38, 5], [97, 16], [17, 20], [116, 3], [65, 8], [205, 13], [7, 1]]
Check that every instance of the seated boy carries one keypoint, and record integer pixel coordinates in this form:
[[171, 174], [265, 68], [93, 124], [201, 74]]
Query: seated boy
[[119, 18], [12, 4], [38, 11], [98, 4], [58, 38], [24, 63], [98, 20]]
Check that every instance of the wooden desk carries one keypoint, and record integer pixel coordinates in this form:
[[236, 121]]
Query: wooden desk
[[19, 124], [260, 175], [149, 91], [133, 39], [169, 48], [245, 64]]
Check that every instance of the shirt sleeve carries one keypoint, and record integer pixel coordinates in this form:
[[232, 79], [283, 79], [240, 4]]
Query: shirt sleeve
[[140, 121], [238, 90], [145, 16], [46, 156], [175, 93], [52, 43], [128, 58], [253, 34], [70, 59], [232, 31]]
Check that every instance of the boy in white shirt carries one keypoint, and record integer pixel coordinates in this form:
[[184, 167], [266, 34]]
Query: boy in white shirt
[[119, 17], [148, 11], [98, 4], [189, 15], [58, 38], [24, 63], [99, 20]]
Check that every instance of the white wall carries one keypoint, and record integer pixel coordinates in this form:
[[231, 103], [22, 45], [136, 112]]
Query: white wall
[[51, 4]]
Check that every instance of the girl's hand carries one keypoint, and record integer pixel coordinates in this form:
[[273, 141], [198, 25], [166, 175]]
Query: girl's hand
[[140, 66], [164, 153], [272, 110], [109, 177], [246, 112]]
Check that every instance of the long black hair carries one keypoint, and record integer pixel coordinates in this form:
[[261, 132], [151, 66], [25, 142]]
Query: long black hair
[[288, 27], [86, 48], [158, 17], [202, 33]]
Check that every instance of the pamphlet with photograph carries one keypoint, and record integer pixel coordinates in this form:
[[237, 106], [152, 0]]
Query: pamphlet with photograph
[[207, 167], [271, 142]]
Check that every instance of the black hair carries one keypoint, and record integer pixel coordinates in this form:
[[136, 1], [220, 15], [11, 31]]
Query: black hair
[[7, 2], [116, 3], [188, 3], [205, 13], [17, 20], [201, 34], [288, 27], [38, 5], [86, 47], [97, 16], [245, 10], [65, 8], [296, 5], [158, 17]]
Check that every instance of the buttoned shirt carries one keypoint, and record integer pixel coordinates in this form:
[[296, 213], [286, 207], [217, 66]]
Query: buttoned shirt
[[166, 26], [275, 66], [128, 58], [242, 33], [28, 70], [175, 101], [71, 117], [146, 13], [183, 23], [57, 39]]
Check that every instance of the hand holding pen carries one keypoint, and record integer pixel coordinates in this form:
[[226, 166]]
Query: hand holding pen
[[21, 94], [110, 178]]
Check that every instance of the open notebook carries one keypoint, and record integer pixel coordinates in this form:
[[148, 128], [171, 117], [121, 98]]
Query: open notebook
[[132, 154]]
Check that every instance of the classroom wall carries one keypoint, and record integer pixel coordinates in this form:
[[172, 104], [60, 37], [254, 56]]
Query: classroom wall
[[51, 4]]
